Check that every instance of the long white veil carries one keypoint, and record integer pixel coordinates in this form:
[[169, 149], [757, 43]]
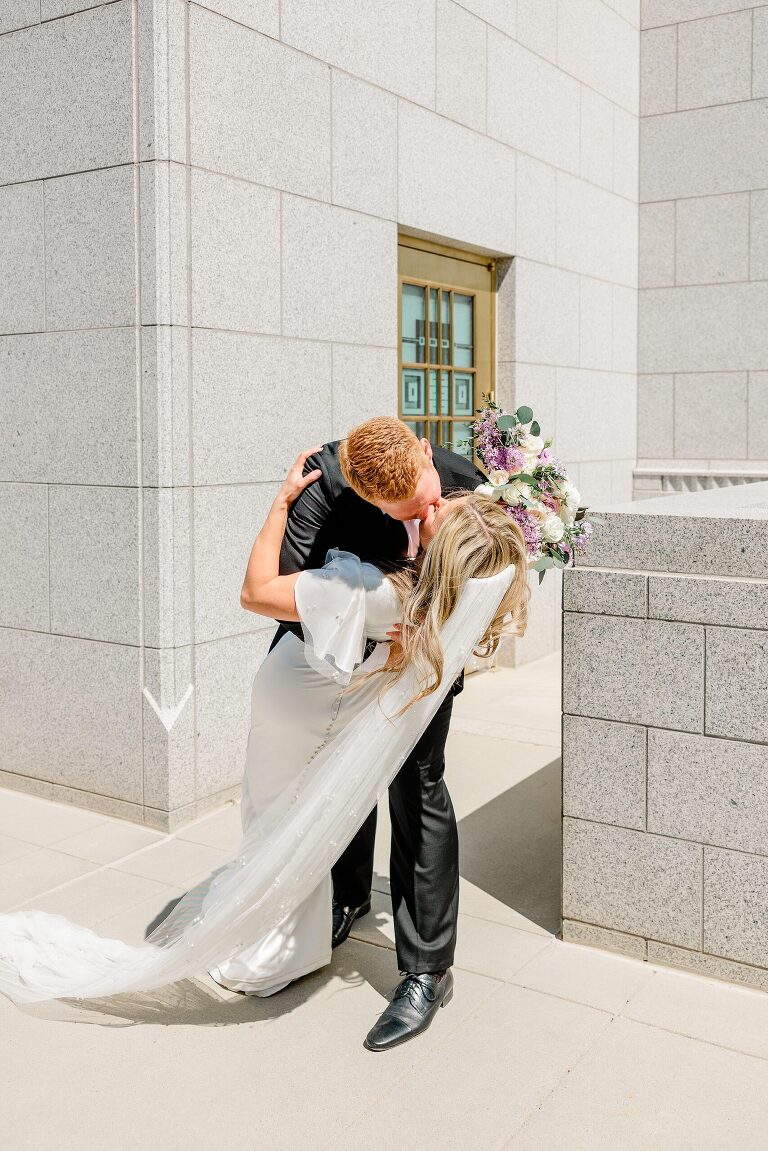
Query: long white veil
[[281, 858]]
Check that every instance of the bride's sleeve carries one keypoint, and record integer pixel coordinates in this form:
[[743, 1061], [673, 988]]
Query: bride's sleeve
[[330, 602]]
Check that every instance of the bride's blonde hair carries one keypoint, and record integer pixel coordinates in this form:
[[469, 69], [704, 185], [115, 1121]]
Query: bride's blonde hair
[[476, 539]]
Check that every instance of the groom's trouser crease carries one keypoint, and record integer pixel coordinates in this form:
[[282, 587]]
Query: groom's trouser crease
[[424, 857]]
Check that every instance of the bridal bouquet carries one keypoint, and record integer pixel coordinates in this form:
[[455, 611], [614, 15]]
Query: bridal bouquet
[[523, 472]]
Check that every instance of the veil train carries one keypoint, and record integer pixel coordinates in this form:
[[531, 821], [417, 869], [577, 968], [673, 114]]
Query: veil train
[[280, 860]]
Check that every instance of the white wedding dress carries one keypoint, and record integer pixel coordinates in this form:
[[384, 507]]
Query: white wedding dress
[[318, 757]]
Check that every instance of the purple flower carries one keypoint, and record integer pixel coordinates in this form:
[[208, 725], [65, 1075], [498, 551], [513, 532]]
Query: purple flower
[[582, 539], [529, 526]]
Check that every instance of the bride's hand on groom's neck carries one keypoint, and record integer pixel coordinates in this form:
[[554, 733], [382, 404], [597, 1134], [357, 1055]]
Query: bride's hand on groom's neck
[[295, 481]]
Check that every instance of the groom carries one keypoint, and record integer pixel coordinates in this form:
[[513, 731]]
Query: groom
[[374, 488]]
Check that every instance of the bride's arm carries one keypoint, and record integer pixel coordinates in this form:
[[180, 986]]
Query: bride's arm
[[264, 590]]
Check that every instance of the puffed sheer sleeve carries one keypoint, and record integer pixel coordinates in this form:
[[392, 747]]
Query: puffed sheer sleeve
[[340, 605]]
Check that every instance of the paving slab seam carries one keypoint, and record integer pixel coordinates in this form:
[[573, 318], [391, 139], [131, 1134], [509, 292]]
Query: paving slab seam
[[439, 1041], [587, 1050], [692, 1038]]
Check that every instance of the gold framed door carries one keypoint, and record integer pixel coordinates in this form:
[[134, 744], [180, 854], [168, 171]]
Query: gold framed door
[[445, 339]]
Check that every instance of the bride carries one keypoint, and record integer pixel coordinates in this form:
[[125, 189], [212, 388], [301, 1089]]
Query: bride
[[330, 728]]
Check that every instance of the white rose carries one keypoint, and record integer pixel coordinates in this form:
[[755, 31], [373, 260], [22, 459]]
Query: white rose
[[553, 529], [571, 500], [499, 477], [489, 490], [531, 445], [516, 491]]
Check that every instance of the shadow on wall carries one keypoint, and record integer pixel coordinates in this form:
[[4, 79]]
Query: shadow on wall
[[512, 847]]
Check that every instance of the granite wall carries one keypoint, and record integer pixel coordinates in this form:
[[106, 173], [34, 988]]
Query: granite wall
[[703, 337], [665, 734]]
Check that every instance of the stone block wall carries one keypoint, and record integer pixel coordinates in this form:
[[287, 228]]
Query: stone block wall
[[703, 339], [199, 213], [665, 735]]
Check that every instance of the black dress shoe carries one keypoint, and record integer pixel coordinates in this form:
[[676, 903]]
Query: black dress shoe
[[411, 1009], [343, 918]]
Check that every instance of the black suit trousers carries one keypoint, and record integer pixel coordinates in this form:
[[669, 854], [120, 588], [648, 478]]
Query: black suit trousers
[[424, 856]]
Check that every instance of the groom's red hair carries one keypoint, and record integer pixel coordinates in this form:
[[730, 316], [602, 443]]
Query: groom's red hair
[[382, 459]]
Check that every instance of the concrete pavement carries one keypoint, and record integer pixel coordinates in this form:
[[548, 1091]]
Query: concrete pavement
[[545, 1044]]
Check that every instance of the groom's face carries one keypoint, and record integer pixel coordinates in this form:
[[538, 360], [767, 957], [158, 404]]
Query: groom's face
[[425, 497]]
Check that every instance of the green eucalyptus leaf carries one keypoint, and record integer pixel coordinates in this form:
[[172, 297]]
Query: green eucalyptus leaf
[[506, 423], [524, 415], [535, 429]]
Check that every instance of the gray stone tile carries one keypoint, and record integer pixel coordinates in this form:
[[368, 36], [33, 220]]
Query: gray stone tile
[[224, 671], [605, 593], [227, 520], [364, 385], [107, 841], [604, 771], [168, 737], [376, 42], [455, 209], [167, 610], [712, 238], [630, 881], [99, 805], [94, 540], [704, 151], [717, 544], [596, 129], [735, 906], [161, 70], [536, 210], [703, 328], [537, 26], [658, 70], [276, 132], [84, 734], [33, 820], [32, 874], [757, 419], [671, 11], [500, 14], [240, 384], [364, 141], [714, 60], [164, 257], [532, 105], [173, 861], [596, 324], [657, 244], [759, 53], [53, 9], [642, 1087], [732, 603], [71, 416], [655, 417], [263, 15], [615, 396], [601, 49], [697, 395], [737, 672], [460, 65], [626, 153], [66, 95], [19, 14], [612, 669], [596, 231], [591, 936], [339, 274], [758, 228], [165, 367], [709, 965], [707, 790], [89, 249], [24, 599], [22, 289], [235, 254], [547, 319], [535, 385]]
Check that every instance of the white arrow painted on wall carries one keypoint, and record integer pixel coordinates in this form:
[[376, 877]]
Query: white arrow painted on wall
[[169, 715]]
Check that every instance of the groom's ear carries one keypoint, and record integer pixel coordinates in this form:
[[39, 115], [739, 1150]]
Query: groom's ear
[[426, 447]]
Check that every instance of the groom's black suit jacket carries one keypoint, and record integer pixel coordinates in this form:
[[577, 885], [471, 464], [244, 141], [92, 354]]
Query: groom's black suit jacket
[[328, 514]]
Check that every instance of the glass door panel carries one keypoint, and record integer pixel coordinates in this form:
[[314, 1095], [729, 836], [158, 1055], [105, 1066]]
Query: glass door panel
[[413, 340]]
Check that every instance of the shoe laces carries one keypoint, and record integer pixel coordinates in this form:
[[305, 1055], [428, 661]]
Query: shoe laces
[[413, 988]]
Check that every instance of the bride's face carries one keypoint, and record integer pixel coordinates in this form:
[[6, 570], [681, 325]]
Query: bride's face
[[437, 513]]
